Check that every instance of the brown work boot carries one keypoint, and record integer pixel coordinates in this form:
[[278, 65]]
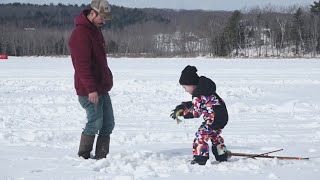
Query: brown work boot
[[102, 147], [85, 146]]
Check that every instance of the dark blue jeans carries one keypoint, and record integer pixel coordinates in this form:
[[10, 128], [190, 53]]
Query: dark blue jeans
[[100, 116]]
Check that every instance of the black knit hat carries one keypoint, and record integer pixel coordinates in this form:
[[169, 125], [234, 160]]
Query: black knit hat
[[189, 76]]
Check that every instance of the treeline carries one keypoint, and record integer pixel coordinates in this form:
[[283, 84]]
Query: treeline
[[44, 30]]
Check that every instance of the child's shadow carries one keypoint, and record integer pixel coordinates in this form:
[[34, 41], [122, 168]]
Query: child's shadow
[[177, 152]]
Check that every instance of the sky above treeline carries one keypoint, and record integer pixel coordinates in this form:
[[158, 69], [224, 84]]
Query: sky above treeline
[[182, 4]]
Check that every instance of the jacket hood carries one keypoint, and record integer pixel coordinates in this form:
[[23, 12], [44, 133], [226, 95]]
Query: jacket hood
[[205, 87], [83, 20]]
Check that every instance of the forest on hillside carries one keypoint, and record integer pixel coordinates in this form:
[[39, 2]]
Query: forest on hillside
[[44, 30]]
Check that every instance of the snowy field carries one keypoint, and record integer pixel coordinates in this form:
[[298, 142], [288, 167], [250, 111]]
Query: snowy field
[[272, 104]]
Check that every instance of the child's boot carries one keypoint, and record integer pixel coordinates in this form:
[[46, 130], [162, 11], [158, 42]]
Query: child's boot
[[220, 152], [201, 160]]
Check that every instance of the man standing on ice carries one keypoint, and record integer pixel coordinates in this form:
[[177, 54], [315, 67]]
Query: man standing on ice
[[93, 78]]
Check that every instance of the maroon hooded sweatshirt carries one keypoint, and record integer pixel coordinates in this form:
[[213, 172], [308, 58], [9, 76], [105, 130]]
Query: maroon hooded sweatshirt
[[89, 58]]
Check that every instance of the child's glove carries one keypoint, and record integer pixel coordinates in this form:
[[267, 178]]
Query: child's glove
[[179, 110], [176, 113], [187, 104], [189, 115]]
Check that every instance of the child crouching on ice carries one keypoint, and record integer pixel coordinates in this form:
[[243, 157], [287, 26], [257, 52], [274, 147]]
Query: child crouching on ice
[[206, 102]]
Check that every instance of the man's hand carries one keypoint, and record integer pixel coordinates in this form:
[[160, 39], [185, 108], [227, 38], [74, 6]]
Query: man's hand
[[93, 97]]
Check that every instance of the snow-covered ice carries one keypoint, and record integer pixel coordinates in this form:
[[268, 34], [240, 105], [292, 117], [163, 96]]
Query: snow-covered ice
[[272, 104]]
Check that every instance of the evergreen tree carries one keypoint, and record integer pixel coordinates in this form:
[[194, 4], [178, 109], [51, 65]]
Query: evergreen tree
[[315, 9], [298, 30], [231, 32], [258, 34]]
